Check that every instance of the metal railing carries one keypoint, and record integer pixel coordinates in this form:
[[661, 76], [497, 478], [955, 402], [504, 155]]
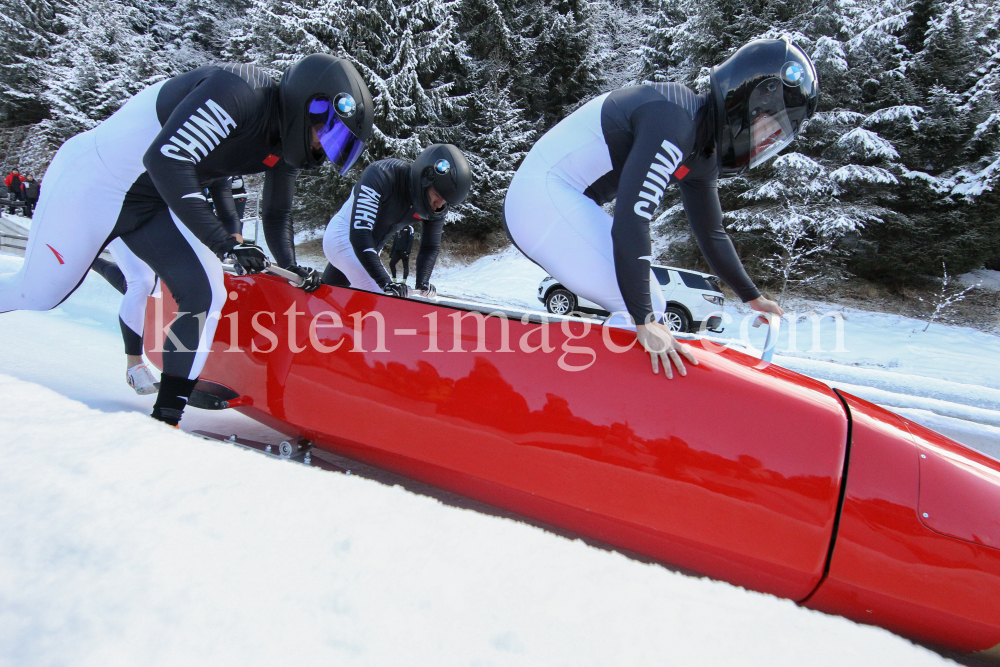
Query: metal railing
[[13, 244]]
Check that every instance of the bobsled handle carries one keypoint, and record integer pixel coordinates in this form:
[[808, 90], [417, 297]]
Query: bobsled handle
[[293, 278], [771, 341]]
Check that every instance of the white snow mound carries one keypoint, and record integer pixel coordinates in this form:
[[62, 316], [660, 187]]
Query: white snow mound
[[126, 542]]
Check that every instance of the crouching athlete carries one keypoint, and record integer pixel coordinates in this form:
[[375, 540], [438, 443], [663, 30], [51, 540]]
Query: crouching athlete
[[133, 278], [142, 173], [390, 195], [632, 143]]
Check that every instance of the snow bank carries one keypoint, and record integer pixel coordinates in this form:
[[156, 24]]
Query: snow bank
[[985, 278], [127, 542]]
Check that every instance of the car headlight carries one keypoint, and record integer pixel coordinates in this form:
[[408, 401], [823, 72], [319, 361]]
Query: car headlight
[[717, 300]]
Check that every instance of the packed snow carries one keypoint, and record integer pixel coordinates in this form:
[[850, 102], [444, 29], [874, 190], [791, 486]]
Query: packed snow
[[126, 542]]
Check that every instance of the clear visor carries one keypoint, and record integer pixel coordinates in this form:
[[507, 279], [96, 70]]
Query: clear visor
[[338, 142], [770, 127], [768, 136]]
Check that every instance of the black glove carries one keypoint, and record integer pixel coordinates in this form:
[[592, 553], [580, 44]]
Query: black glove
[[249, 257], [428, 291], [397, 289], [311, 278]]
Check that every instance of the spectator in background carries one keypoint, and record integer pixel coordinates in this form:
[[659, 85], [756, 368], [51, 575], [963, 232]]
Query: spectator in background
[[13, 183], [401, 247], [239, 195], [31, 190]]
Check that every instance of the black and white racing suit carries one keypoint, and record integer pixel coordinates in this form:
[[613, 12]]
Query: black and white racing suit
[[139, 176], [629, 144], [135, 280], [379, 206]]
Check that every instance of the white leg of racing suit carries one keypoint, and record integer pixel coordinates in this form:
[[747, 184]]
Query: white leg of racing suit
[[75, 217], [82, 208], [569, 235], [140, 280], [338, 249]]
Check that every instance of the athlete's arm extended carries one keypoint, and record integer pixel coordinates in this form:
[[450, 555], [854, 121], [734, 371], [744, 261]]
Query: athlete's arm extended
[[196, 126], [225, 208], [430, 246], [664, 134], [704, 213], [276, 216], [369, 193]]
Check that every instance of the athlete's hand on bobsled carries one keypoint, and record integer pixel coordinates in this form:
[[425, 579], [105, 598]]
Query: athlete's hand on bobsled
[[662, 346], [397, 289], [311, 278], [249, 257], [762, 305], [427, 291]]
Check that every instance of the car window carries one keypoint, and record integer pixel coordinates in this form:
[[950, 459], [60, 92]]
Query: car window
[[694, 281], [662, 275]]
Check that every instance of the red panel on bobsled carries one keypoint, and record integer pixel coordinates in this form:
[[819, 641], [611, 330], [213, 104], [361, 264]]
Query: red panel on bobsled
[[889, 568], [732, 471]]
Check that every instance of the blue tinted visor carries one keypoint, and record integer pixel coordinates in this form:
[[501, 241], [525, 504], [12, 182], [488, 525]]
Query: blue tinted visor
[[339, 143]]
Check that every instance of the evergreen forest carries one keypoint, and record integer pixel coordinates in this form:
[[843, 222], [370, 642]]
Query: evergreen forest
[[897, 174]]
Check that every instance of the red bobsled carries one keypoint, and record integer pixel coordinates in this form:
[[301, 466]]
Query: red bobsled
[[744, 472]]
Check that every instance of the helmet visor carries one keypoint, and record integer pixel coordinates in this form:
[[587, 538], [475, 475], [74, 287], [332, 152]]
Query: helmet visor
[[771, 129], [338, 142]]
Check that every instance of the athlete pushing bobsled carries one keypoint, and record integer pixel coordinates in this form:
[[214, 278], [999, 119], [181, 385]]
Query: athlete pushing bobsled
[[135, 280], [140, 174], [389, 195], [631, 144]]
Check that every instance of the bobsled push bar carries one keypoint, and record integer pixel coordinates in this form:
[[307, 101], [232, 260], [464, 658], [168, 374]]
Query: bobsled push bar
[[766, 355]]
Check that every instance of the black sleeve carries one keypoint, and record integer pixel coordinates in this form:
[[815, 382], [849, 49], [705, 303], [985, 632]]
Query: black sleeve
[[276, 213], [225, 208], [704, 213], [664, 133], [409, 240], [173, 171], [430, 246], [110, 272], [369, 194]]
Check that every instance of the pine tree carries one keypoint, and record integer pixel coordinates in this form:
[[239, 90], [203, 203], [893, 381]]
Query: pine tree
[[498, 139], [407, 51], [29, 30]]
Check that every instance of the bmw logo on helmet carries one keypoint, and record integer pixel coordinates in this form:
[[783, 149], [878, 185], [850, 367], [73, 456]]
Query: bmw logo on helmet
[[792, 73], [345, 105], [442, 166]]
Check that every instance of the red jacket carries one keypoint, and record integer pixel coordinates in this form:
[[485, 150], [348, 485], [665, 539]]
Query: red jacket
[[10, 177]]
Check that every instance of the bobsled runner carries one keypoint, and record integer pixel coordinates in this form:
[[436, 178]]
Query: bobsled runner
[[742, 471]]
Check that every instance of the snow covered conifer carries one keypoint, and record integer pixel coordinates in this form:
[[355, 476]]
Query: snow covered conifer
[[29, 32]]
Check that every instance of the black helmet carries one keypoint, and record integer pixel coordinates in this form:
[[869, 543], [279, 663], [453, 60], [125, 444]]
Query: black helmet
[[323, 90], [444, 167], [764, 93]]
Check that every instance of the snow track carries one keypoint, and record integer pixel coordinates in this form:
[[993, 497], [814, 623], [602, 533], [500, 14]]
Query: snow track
[[967, 413], [126, 542], [899, 383]]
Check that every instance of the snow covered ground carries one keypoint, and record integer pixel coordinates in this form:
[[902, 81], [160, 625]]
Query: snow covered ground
[[128, 543], [125, 542]]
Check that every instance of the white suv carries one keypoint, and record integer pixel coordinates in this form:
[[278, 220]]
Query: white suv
[[693, 299]]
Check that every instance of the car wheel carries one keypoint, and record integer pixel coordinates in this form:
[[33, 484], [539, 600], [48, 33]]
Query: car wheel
[[677, 319], [560, 302]]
